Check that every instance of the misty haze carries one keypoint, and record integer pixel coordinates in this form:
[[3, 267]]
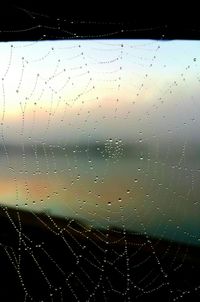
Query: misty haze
[[97, 129]]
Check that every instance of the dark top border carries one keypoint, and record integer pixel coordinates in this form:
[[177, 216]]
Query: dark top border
[[37, 21]]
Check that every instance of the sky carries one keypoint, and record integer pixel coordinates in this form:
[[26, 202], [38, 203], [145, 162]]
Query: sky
[[64, 91]]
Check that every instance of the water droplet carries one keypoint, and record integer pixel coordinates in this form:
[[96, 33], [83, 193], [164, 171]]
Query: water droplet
[[135, 180], [109, 203], [128, 191]]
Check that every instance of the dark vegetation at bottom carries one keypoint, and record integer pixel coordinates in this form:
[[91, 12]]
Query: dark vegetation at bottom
[[64, 260]]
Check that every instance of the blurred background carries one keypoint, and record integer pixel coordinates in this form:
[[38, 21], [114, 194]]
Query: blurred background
[[106, 131]]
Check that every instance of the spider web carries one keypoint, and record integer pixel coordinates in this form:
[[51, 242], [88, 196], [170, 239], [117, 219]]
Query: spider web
[[99, 179]]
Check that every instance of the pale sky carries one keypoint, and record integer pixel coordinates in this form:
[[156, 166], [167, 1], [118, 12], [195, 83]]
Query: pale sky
[[69, 90]]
